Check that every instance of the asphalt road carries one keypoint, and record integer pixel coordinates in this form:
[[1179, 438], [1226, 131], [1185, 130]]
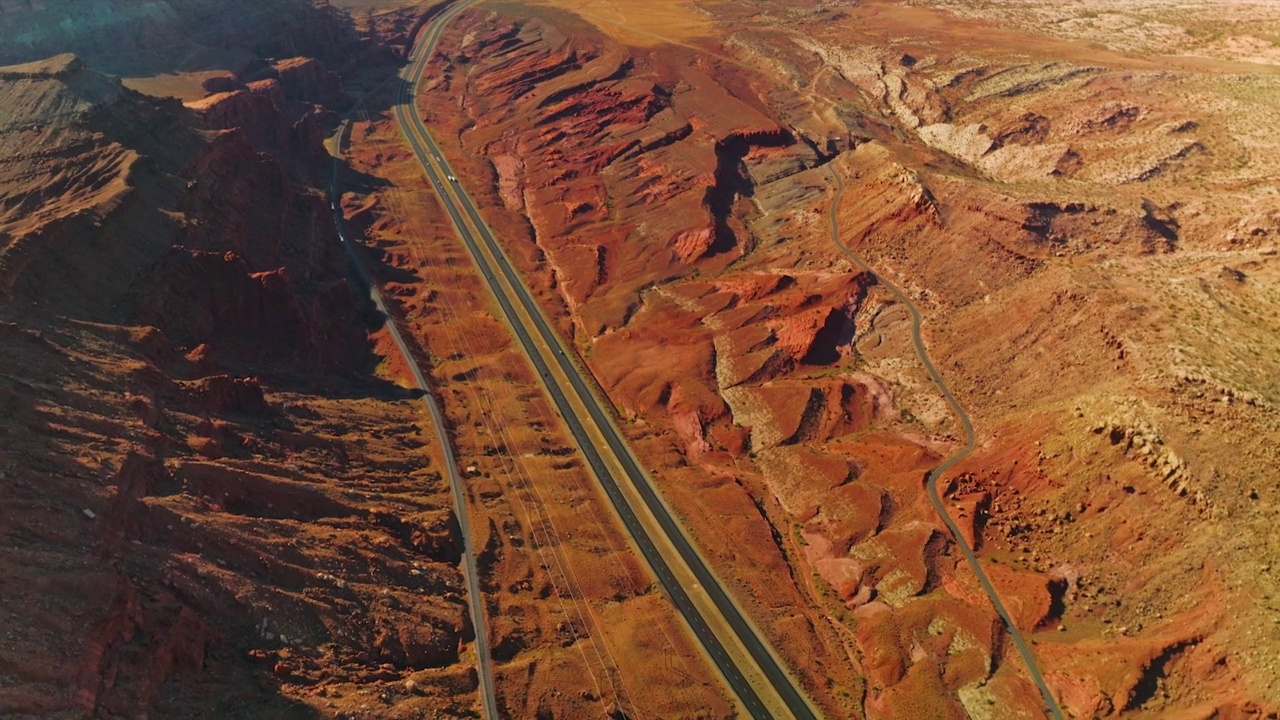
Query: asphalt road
[[931, 480], [539, 331], [475, 600]]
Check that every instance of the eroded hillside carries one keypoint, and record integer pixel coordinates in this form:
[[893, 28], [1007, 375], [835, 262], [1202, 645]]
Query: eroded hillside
[[1095, 262]]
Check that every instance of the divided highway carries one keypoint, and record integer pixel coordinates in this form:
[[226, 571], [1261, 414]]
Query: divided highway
[[931, 481], [740, 653]]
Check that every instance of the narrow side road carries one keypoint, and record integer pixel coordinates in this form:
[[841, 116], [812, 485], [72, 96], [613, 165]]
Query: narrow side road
[[931, 481], [475, 600]]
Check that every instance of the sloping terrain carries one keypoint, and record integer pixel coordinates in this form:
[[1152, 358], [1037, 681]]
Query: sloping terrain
[[217, 501], [1095, 261]]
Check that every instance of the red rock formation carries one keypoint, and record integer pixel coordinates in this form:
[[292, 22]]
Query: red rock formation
[[596, 113], [239, 313], [268, 118], [154, 258], [304, 79], [226, 394], [253, 109]]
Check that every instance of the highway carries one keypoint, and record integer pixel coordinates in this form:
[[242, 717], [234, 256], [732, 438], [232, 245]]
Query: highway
[[475, 600], [749, 666], [931, 480]]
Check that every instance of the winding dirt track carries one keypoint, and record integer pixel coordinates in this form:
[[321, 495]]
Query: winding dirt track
[[931, 480]]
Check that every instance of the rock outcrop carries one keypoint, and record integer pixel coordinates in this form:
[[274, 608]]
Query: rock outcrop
[[305, 79]]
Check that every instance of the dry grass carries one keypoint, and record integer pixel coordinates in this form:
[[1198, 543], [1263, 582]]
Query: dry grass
[[642, 23], [184, 86], [1246, 33]]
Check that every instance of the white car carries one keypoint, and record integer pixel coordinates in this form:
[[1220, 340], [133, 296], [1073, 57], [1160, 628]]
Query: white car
[[453, 179]]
